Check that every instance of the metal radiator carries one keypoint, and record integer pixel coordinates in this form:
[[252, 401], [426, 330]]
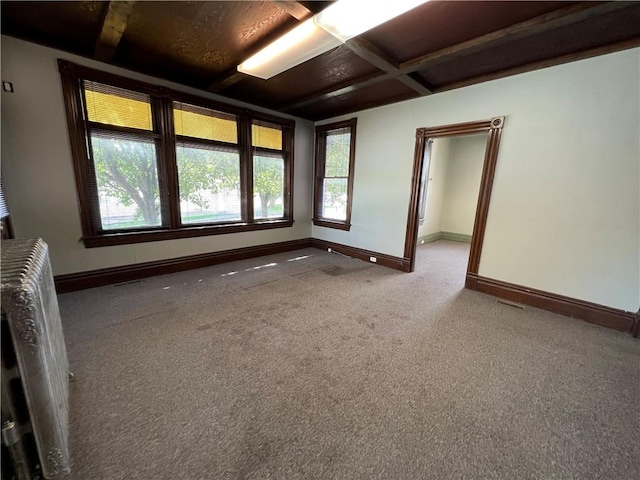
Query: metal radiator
[[35, 370]]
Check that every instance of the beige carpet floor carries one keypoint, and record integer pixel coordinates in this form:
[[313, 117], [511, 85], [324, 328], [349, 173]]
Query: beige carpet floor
[[310, 365]]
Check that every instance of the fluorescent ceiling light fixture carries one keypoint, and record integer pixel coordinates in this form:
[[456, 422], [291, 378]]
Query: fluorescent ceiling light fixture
[[302, 43], [328, 29], [346, 19]]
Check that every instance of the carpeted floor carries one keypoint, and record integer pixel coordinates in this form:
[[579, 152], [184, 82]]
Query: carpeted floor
[[310, 365]]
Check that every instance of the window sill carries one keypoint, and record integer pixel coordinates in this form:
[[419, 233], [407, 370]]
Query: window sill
[[110, 239], [322, 222]]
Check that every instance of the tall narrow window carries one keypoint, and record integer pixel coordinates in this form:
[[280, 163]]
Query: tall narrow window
[[208, 161], [268, 171], [124, 161], [424, 180], [335, 152]]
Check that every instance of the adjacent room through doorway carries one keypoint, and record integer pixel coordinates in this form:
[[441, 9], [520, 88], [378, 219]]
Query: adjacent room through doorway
[[491, 130], [449, 187]]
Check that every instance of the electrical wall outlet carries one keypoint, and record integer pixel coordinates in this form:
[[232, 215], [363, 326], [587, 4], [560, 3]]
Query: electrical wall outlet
[[373, 259], [421, 242]]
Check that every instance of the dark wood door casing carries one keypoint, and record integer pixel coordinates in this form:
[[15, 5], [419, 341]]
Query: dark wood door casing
[[493, 127]]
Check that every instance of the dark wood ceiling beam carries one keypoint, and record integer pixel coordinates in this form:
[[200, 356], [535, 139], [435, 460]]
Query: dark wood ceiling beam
[[226, 80], [113, 27], [336, 90], [536, 25], [543, 23], [376, 57], [414, 84], [551, 62], [372, 54]]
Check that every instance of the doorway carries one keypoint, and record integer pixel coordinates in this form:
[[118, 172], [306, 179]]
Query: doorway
[[419, 187]]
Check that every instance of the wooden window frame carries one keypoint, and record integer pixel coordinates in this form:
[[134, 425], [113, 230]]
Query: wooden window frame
[[162, 100], [320, 162]]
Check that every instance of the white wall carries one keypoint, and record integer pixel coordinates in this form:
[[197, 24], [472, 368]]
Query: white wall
[[37, 169], [436, 187], [463, 183], [454, 182], [565, 210]]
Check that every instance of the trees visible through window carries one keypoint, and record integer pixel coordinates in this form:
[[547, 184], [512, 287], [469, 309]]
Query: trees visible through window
[[335, 151], [209, 185], [268, 170], [124, 161], [127, 182], [154, 164], [208, 160]]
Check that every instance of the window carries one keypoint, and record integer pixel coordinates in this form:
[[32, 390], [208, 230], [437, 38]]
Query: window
[[335, 152], [268, 170], [424, 181], [123, 162], [208, 161], [154, 164]]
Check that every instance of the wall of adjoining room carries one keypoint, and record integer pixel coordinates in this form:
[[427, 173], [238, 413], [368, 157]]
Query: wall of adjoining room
[[38, 175], [565, 212], [453, 186], [463, 183]]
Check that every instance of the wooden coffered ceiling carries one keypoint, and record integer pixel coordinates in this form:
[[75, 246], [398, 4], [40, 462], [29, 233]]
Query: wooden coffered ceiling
[[435, 47]]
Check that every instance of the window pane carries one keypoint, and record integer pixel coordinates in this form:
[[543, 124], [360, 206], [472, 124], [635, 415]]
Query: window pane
[[116, 106], [266, 137], [268, 186], [127, 182], [209, 183], [338, 148], [334, 198], [199, 122]]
